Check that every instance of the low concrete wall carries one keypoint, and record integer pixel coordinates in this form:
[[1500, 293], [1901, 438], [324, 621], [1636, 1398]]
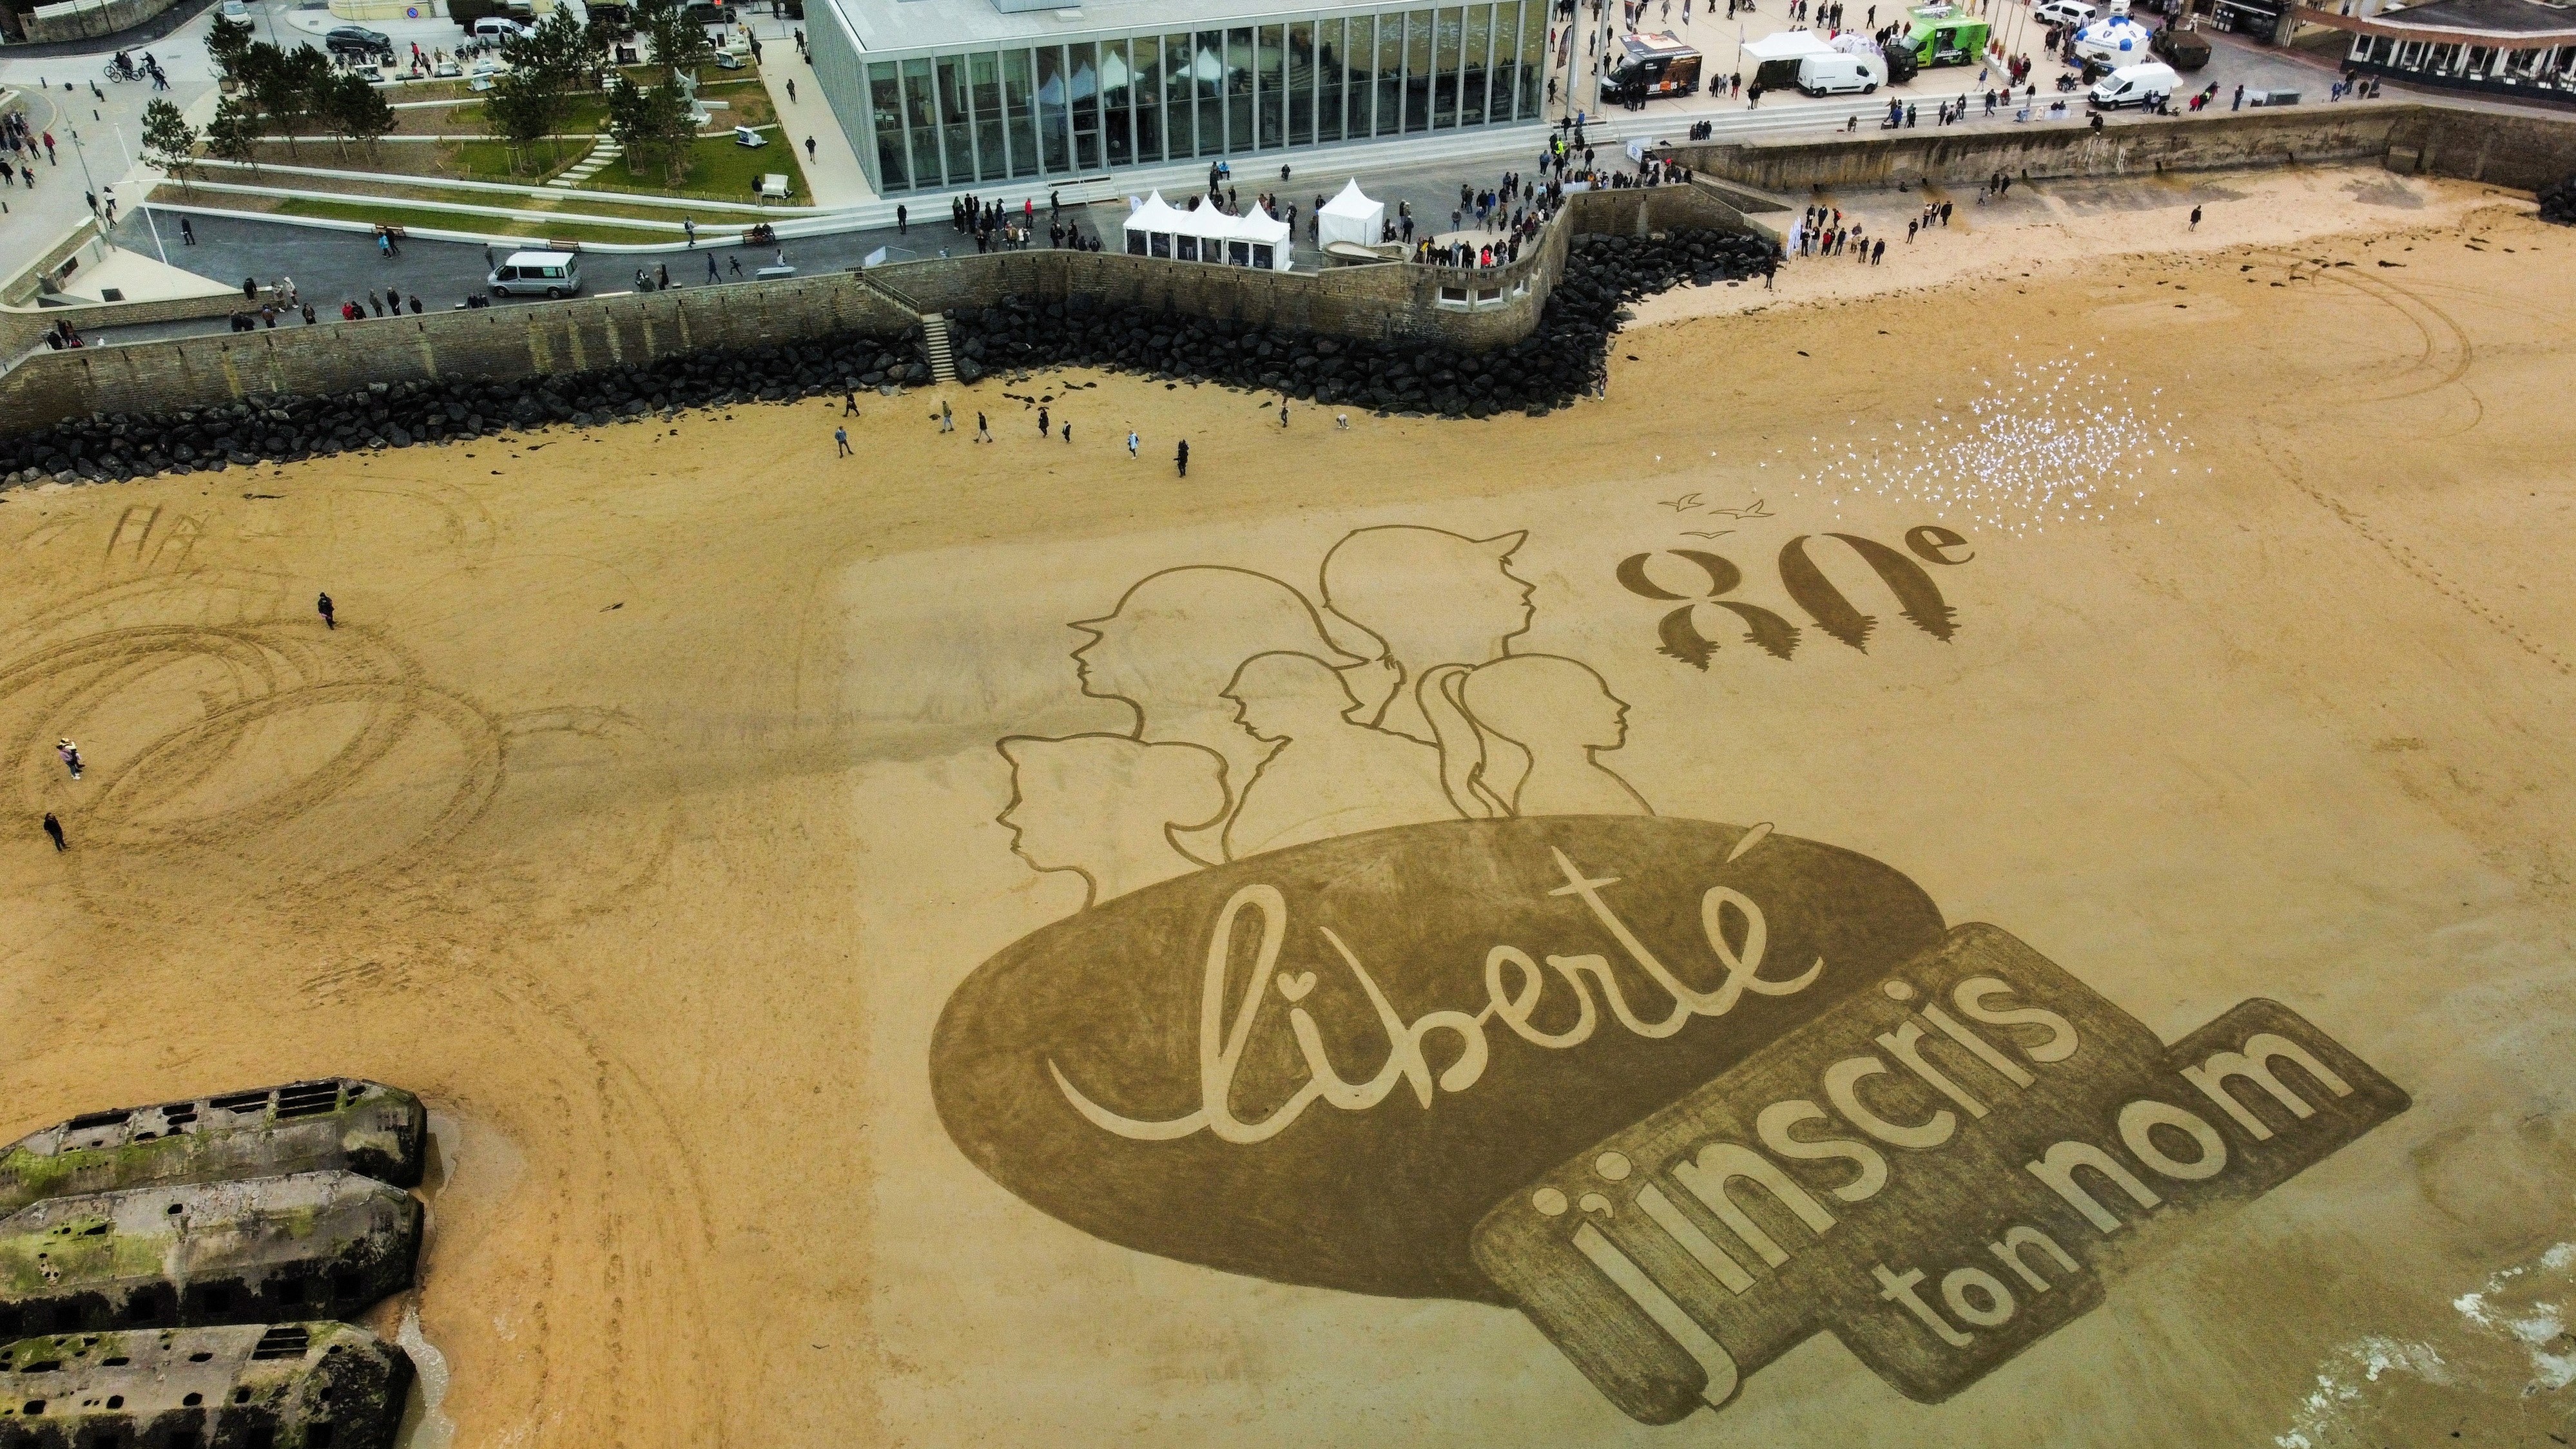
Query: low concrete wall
[[1395, 301], [84, 19], [504, 342], [2522, 152], [2354, 132]]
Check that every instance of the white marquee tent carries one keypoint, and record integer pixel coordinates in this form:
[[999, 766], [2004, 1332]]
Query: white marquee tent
[[1351, 217], [1159, 229]]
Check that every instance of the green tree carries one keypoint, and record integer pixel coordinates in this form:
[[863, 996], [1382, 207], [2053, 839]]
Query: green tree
[[227, 42], [169, 142], [303, 93], [355, 111], [555, 49], [679, 43], [520, 110], [653, 124], [233, 134]]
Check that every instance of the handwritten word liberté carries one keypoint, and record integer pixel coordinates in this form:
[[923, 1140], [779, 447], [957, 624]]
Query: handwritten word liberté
[[1514, 1002]]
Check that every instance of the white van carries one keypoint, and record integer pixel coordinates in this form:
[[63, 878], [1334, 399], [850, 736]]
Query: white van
[[498, 28], [2135, 85], [1829, 75], [2066, 12], [528, 274]]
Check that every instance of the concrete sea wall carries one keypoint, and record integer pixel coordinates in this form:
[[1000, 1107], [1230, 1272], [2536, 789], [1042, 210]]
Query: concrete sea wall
[[2523, 152], [1391, 302]]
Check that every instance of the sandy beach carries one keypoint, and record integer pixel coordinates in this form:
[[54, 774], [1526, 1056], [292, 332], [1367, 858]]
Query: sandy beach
[[641, 815]]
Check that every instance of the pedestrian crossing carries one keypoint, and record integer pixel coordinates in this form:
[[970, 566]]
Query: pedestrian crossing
[[600, 157]]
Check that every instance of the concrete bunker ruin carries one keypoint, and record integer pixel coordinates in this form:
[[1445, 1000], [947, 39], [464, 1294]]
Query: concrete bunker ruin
[[332, 1122], [260, 1250], [301, 1385]]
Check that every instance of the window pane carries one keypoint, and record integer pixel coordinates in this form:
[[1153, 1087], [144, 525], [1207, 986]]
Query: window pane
[[1085, 105], [1019, 99], [921, 120], [1272, 48], [1207, 82], [1238, 89], [955, 143], [1301, 84], [1145, 95], [1533, 67], [1329, 75], [1471, 75], [1116, 101], [1390, 74], [1444, 68], [885, 113], [984, 94], [1055, 110], [1417, 71]]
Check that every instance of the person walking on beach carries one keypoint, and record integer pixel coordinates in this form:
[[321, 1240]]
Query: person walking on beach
[[2195, 219], [322, 606], [1068, 434], [1283, 414], [1131, 442], [54, 828], [1183, 457], [1042, 424], [849, 402], [983, 433], [947, 419], [841, 439], [70, 755]]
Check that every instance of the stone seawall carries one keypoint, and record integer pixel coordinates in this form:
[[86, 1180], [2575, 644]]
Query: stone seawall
[[1394, 302], [2523, 152], [496, 343]]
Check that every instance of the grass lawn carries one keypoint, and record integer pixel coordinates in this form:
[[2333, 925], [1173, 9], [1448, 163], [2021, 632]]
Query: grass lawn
[[427, 218], [719, 170], [454, 160]]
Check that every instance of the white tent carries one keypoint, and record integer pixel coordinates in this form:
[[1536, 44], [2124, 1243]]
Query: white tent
[[1351, 217], [1787, 45], [1160, 229]]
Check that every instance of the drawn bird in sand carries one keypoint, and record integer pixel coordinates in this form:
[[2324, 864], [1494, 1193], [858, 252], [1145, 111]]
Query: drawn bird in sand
[[1757, 510], [1683, 504]]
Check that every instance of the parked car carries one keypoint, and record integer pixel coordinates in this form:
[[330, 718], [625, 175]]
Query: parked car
[[2135, 85], [236, 10], [705, 12], [2181, 49], [1826, 75], [498, 28], [2066, 12], [357, 40], [521, 274]]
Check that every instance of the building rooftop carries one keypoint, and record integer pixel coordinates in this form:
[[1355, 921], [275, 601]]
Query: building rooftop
[[894, 25], [2498, 17]]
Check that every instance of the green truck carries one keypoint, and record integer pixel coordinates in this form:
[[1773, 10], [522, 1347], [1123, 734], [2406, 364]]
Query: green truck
[[1940, 35]]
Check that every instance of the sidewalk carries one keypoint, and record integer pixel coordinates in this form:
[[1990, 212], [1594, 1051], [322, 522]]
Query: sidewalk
[[833, 175]]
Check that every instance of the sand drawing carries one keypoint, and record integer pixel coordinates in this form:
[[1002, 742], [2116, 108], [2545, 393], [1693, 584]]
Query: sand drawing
[[1429, 597], [1308, 739], [1110, 808], [1329, 775], [1418, 996]]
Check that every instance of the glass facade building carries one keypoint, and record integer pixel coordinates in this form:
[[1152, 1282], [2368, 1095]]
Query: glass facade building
[[1059, 108]]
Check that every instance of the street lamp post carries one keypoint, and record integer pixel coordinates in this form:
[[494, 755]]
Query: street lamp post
[[149, 224]]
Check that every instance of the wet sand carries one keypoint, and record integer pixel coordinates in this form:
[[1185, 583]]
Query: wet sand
[[640, 815]]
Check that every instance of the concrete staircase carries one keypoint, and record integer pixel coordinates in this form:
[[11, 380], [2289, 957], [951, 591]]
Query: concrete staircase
[[589, 166], [934, 344]]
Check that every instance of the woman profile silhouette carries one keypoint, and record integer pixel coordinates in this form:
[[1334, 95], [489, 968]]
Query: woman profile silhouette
[[1555, 713], [1172, 646], [1109, 808]]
